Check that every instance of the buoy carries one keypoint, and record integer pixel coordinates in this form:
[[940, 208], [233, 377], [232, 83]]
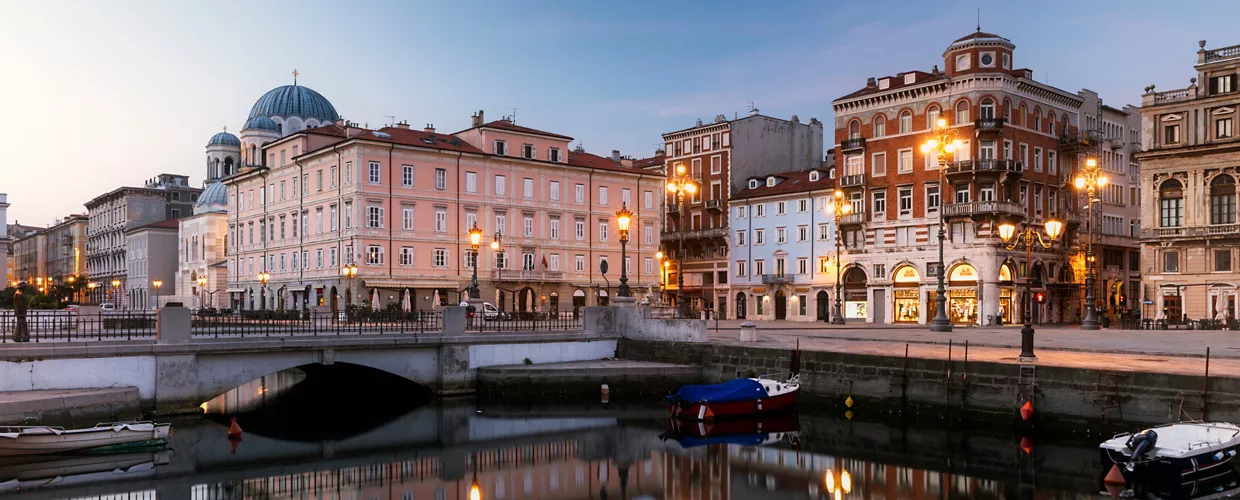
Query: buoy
[[848, 402], [706, 414], [606, 393], [1115, 477], [234, 430], [848, 414], [1026, 410], [1026, 445]]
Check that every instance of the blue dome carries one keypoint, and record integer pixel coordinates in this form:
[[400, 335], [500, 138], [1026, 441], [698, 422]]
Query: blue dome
[[261, 122], [224, 139], [294, 100], [216, 193]]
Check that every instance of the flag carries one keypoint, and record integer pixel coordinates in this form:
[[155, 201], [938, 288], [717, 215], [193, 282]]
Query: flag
[[544, 261]]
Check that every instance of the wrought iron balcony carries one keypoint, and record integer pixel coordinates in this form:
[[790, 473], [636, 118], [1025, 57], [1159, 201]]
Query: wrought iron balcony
[[984, 166], [852, 219], [850, 145], [854, 180], [777, 279], [1217, 231], [717, 232], [715, 205], [981, 208], [989, 124]]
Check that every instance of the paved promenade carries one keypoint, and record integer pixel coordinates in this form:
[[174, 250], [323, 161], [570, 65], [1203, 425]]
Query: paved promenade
[[1157, 351]]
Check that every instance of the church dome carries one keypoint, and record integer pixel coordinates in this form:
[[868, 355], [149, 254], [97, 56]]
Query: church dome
[[213, 198], [224, 139], [261, 122], [294, 100]]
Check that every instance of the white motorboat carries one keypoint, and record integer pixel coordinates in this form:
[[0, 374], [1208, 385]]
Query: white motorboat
[[35, 440], [1175, 451]]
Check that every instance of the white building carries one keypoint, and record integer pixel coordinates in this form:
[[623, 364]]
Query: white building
[[150, 258], [201, 250]]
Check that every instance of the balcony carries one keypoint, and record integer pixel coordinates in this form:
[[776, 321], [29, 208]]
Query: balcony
[[673, 209], [526, 275], [852, 145], [987, 125], [1170, 96], [853, 219], [1218, 231], [777, 279], [717, 232], [855, 180], [984, 208], [715, 205], [974, 167]]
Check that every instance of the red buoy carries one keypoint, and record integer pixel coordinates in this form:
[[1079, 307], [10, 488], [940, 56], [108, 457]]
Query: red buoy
[[1026, 410], [234, 430], [1026, 445], [1114, 477]]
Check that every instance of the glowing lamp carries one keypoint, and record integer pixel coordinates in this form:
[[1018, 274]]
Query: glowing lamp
[[1006, 231], [1091, 163], [658, 255], [475, 235], [1054, 228], [623, 218], [1080, 183], [1102, 181], [942, 122], [690, 187], [680, 168]]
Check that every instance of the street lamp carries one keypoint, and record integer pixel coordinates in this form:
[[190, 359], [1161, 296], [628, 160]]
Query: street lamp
[[840, 207], [475, 238], [942, 141], [678, 185], [623, 218], [1029, 237], [1090, 178], [349, 271], [90, 286], [157, 284], [263, 278], [202, 289], [116, 293]]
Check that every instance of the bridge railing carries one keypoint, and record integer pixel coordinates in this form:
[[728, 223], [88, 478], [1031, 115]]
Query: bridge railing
[[75, 326], [313, 323], [525, 321]]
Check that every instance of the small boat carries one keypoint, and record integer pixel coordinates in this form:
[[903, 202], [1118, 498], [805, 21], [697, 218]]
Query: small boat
[[1174, 452], [761, 431], [1225, 484], [38, 440], [29, 472], [734, 398]]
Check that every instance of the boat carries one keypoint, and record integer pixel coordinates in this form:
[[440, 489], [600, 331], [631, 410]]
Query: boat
[[735, 398], [761, 431], [36, 440], [1225, 484], [1174, 452], [36, 471]]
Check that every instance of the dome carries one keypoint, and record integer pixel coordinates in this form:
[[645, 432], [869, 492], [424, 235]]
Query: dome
[[216, 193], [294, 100], [224, 139], [261, 122]]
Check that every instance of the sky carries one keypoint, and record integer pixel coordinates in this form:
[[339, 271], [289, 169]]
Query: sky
[[97, 95]]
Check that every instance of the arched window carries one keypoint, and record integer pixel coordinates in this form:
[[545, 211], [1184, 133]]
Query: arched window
[[228, 166], [1007, 109], [215, 168], [1050, 122], [906, 121], [1222, 199], [987, 109], [880, 126], [1171, 203], [962, 111], [854, 129], [1037, 120], [932, 116], [254, 155], [1021, 116]]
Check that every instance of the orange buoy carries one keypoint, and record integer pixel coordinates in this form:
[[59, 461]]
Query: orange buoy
[[707, 414], [1114, 477], [1026, 410], [234, 430], [1026, 445]]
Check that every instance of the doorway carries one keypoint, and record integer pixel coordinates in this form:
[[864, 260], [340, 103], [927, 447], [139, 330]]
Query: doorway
[[781, 305], [880, 305], [824, 302], [579, 301], [740, 305]]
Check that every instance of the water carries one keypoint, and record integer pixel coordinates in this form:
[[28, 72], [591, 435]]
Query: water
[[304, 441]]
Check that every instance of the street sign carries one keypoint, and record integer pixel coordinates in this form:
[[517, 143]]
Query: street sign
[[602, 267]]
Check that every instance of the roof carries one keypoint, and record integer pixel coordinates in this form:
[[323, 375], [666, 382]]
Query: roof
[[978, 34], [796, 181], [897, 82], [587, 160], [402, 136], [163, 224], [653, 161], [294, 100], [512, 127], [224, 139]]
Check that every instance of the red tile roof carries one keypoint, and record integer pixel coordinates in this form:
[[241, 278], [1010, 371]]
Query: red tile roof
[[163, 224], [653, 161], [587, 160], [796, 181], [407, 137], [896, 83], [512, 127], [978, 34]]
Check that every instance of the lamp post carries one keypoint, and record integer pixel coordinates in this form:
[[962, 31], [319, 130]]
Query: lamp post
[[475, 238], [1090, 178], [157, 284], [1029, 237], [658, 257], [263, 278], [349, 271], [90, 286], [202, 289], [116, 293], [839, 207], [942, 141], [678, 185], [623, 218]]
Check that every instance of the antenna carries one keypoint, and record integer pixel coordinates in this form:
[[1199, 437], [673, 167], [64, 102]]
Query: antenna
[[751, 106], [979, 19], [513, 118], [392, 122]]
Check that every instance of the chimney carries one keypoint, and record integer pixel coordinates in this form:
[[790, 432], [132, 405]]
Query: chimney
[[478, 119], [342, 122], [615, 154], [869, 82], [351, 129], [430, 127], [404, 125]]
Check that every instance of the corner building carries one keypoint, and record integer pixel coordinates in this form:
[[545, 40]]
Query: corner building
[[1010, 168]]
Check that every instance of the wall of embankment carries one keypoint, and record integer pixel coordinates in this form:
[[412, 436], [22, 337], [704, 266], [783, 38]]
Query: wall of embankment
[[937, 385]]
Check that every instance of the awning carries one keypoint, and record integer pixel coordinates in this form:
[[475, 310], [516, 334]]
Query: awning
[[399, 284], [235, 290]]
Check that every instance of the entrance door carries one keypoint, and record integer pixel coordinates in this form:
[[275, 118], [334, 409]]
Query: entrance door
[[824, 302], [722, 308], [880, 305], [740, 305], [781, 305], [579, 301]]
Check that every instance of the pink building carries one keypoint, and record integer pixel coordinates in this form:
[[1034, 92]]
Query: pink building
[[399, 204]]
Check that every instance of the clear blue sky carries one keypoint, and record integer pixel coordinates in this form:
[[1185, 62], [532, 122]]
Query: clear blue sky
[[102, 94]]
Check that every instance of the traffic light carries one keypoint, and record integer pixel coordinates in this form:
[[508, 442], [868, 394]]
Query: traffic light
[[1040, 297], [1123, 300]]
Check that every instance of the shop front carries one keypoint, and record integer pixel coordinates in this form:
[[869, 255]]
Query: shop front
[[856, 302], [962, 299], [1007, 292], [907, 289]]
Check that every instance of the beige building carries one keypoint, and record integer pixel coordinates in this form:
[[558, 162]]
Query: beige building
[[1189, 166]]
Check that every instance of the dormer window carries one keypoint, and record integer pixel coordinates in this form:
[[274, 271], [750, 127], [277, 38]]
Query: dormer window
[[770, 181], [962, 62], [813, 176], [884, 84], [987, 59], [910, 78], [753, 183]]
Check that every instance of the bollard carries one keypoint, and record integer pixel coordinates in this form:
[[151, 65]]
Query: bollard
[[749, 332]]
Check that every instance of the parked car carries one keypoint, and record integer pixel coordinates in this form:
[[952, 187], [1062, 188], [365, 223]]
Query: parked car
[[71, 307], [108, 307]]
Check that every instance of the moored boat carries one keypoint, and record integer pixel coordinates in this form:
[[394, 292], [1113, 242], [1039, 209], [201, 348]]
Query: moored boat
[[35, 440], [733, 399], [1174, 452], [757, 431]]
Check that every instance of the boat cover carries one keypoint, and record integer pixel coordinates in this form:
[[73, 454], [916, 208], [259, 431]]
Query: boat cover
[[741, 389]]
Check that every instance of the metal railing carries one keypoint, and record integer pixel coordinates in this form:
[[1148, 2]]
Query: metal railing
[[313, 323], [72, 326], [852, 180], [982, 208], [717, 232], [526, 275], [989, 124], [852, 144], [852, 219], [523, 321], [777, 279], [1191, 232], [713, 204], [986, 165]]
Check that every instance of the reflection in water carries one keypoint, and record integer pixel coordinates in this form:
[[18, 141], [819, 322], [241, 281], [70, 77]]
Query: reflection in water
[[255, 393]]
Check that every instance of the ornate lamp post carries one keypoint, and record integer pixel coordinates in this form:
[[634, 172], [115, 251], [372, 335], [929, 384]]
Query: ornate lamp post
[[157, 284], [678, 185], [1090, 178], [658, 257], [475, 238], [116, 293], [349, 271], [202, 290], [942, 141], [840, 207], [623, 218], [1029, 237], [90, 287], [263, 278]]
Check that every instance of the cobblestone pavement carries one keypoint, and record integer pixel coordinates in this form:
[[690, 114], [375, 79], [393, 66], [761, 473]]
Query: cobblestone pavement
[[1166, 351]]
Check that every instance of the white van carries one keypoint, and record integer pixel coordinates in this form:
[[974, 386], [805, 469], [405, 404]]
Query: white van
[[489, 312]]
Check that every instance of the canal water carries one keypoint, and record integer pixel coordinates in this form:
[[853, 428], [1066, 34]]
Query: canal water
[[311, 435]]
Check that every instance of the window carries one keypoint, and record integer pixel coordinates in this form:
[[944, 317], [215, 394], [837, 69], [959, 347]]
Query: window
[[501, 260], [1222, 260], [501, 185], [759, 268], [962, 193], [906, 122], [906, 161], [906, 201], [1223, 200], [406, 256], [740, 238], [987, 110], [781, 235], [759, 210], [716, 164], [648, 199], [648, 265], [1171, 134], [555, 191], [1222, 128], [802, 205], [740, 269], [471, 182], [579, 229], [1052, 161], [854, 165], [331, 257], [823, 231], [318, 258], [374, 216], [880, 202], [880, 126], [501, 222], [1171, 203], [375, 173], [802, 233], [880, 270], [1221, 84], [281, 190], [471, 219], [554, 262], [441, 178], [1171, 262], [878, 164], [555, 227], [1037, 200], [579, 193], [527, 188], [695, 169], [986, 192], [406, 175], [1037, 159], [740, 212], [333, 222], [554, 154], [648, 234], [406, 218], [962, 111], [759, 236], [602, 230], [854, 129], [440, 257], [932, 117], [501, 148], [579, 263], [781, 207], [441, 219], [527, 225], [374, 254], [528, 151], [602, 195], [986, 150]]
